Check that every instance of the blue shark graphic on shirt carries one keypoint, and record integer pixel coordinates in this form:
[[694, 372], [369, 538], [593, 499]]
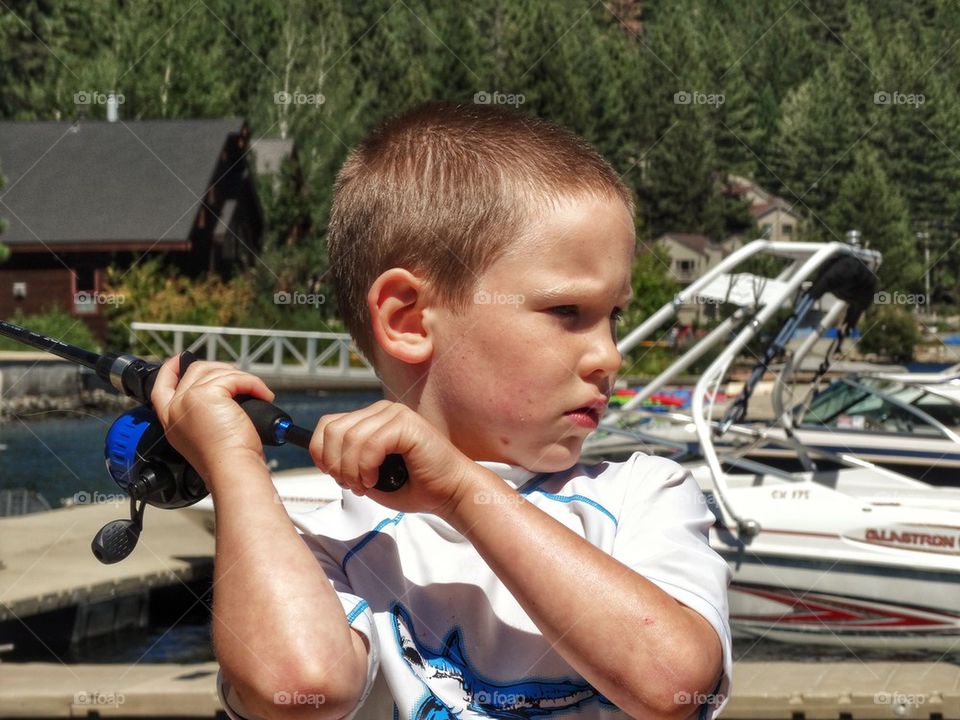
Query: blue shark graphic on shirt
[[466, 694]]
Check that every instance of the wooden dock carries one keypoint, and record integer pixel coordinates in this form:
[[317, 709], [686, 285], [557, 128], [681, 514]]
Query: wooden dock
[[762, 691], [46, 564]]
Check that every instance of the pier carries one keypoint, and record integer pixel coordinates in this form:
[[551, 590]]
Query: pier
[[762, 691], [50, 579]]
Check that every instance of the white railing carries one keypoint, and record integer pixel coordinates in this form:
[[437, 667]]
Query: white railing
[[262, 352]]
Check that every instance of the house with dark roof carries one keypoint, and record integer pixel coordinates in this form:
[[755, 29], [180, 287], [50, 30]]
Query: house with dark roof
[[691, 255], [80, 196], [776, 218]]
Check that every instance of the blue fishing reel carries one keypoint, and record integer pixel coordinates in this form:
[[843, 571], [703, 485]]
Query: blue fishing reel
[[145, 466]]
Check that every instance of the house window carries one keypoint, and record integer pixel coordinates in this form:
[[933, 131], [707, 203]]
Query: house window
[[19, 290], [787, 229], [685, 266], [84, 291], [766, 229]]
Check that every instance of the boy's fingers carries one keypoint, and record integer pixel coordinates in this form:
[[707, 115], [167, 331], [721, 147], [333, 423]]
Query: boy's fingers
[[201, 370], [327, 440], [360, 440], [165, 385], [238, 383]]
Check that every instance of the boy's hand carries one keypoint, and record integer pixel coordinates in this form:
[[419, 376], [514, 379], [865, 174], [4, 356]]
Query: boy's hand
[[200, 417], [352, 446]]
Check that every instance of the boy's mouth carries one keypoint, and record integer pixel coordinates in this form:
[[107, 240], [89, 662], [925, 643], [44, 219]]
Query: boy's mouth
[[588, 415]]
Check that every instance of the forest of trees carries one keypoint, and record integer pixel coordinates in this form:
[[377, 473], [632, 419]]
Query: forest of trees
[[847, 108]]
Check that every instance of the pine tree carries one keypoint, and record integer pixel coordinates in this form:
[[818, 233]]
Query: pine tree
[[868, 202]]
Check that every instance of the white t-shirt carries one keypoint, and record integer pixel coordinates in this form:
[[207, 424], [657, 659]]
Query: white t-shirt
[[448, 640]]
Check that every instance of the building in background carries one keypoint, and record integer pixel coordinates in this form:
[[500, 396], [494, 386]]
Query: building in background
[[80, 196]]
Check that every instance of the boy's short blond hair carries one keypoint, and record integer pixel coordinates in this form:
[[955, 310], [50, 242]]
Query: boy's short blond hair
[[443, 190]]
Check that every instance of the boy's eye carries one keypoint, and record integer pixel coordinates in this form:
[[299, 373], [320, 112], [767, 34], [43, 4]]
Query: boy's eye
[[566, 310], [617, 315]]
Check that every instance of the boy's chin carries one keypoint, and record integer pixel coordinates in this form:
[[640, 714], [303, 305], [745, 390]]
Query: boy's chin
[[553, 459]]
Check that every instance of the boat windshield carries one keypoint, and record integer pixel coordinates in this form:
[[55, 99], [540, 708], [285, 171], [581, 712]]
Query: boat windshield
[[879, 406]]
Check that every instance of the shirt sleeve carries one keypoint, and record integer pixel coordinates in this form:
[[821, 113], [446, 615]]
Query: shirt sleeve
[[359, 616], [663, 534]]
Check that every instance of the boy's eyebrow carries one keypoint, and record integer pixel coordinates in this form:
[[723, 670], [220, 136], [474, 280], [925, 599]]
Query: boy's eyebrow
[[556, 291]]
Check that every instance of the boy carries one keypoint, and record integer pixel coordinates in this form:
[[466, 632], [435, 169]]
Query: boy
[[482, 259]]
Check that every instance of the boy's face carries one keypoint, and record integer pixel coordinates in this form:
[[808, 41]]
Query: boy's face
[[523, 375]]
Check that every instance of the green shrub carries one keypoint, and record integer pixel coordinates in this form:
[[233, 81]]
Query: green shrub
[[890, 332], [57, 324]]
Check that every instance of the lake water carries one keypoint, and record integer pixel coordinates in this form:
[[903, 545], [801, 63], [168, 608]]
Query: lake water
[[60, 456]]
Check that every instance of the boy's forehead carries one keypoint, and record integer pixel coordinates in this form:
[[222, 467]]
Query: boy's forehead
[[577, 250], [604, 224]]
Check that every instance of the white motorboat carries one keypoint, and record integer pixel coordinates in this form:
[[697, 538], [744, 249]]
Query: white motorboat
[[905, 422], [854, 555]]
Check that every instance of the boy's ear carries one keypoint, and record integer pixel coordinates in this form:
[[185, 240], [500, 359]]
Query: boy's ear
[[396, 301]]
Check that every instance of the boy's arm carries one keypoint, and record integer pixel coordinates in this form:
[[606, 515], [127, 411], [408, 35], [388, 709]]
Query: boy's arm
[[641, 648], [279, 628], [278, 625]]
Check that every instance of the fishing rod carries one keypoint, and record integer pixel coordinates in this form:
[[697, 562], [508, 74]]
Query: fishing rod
[[138, 456]]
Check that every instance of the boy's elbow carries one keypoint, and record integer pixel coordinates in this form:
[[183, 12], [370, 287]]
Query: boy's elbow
[[679, 688], [307, 690]]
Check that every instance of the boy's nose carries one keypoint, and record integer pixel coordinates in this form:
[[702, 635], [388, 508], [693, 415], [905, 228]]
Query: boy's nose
[[602, 356]]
